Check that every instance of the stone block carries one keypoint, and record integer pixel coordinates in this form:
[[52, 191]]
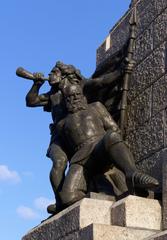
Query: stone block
[[141, 78], [148, 138], [152, 135], [137, 212], [141, 5], [139, 110], [144, 44], [146, 13], [70, 220], [159, 56], [105, 232], [160, 26], [147, 72], [159, 95], [160, 6]]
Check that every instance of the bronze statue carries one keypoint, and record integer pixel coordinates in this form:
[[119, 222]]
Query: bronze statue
[[82, 133], [91, 139], [53, 102]]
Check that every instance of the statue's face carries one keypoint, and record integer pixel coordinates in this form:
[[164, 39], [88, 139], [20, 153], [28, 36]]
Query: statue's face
[[54, 77], [74, 97], [72, 92]]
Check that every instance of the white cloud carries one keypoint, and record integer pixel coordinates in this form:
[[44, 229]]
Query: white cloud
[[8, 175], [41, 203], [27, 213]]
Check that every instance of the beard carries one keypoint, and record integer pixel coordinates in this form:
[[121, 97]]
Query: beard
[[76, 104]]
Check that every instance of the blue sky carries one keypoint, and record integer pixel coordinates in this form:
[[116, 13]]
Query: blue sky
[[35, 34]]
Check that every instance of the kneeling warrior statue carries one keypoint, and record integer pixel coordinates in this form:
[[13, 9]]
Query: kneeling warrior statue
[[83, 132]]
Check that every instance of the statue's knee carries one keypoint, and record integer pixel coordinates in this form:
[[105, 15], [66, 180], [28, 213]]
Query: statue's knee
[[111, 138]]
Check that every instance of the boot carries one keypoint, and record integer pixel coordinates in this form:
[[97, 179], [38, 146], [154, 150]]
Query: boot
[[51, 209], [143, 180]]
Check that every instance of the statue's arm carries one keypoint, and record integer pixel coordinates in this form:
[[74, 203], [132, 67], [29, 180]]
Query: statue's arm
[[33, 99], [107, 79], [106, 118], [104, 81]]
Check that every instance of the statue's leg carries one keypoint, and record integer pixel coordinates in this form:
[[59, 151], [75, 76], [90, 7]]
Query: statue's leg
[[120, 155], [57, 174], [75, 185]]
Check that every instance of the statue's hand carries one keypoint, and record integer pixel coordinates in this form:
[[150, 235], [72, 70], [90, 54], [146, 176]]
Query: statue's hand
[[38, 78]]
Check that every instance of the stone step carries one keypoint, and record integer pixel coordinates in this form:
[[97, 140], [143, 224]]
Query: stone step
[[137, 212], [105, 232], [128, 214], [77, 216]]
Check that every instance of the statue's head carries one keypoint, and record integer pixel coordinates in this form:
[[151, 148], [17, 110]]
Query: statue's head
[[69, 72], [74, 97], [70, 81], [71, 85]]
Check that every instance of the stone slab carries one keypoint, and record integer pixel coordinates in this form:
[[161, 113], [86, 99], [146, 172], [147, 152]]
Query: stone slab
[[77, 216], [137, 212], [148, 138], [160, 28], [144, 44], [159, 95], [148, 71], [105, 232]]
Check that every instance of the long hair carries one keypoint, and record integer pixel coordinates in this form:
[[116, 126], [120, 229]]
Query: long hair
[[68, 69]]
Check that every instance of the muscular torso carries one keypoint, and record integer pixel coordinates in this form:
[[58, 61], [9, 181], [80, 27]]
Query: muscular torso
[[82, 126]]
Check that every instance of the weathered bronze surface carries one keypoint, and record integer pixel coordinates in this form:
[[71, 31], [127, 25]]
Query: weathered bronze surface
[[84, 133]]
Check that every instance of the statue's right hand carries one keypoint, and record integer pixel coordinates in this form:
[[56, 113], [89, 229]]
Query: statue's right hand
[[38, 78]]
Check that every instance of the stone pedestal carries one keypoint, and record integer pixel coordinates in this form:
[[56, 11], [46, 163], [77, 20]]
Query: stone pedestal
[[137, 212], [91, 219]]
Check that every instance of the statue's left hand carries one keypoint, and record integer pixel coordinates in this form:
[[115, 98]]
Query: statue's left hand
[[39, 78]]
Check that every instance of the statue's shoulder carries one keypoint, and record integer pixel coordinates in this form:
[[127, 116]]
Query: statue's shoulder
[[97, 105]]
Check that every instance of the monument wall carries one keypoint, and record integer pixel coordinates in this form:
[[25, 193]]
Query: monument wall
[[147, 97]]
